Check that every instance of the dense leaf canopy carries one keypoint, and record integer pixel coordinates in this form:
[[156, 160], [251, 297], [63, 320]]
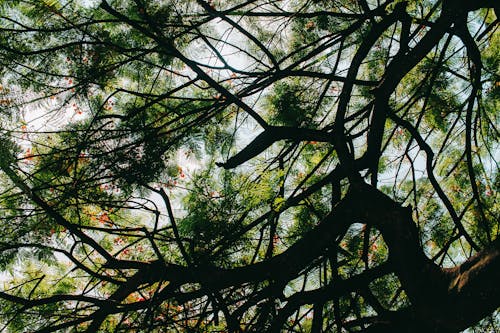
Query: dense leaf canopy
[[249, 166]]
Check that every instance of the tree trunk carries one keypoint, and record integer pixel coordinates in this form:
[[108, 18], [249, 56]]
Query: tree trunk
[[443, 300]]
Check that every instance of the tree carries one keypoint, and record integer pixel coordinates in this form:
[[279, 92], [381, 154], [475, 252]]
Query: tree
[[256, 166]]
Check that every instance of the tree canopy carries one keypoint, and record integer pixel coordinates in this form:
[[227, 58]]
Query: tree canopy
[[249, 166]]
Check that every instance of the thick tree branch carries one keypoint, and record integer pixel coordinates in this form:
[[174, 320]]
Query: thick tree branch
[[271, 135], [444, 300]]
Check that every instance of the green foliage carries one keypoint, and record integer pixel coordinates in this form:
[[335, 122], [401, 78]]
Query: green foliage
[[389, 292], [213, 215], [117, 120], [286, 105]]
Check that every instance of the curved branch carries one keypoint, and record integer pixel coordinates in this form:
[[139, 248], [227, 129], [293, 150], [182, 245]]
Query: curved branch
[[271, 135]]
